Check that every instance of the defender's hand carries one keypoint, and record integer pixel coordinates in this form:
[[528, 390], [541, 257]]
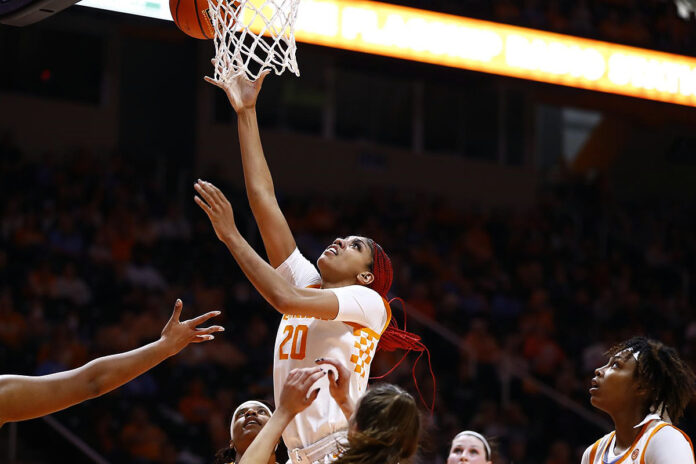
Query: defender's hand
[[178, 335], [295, 396], [338, 384]]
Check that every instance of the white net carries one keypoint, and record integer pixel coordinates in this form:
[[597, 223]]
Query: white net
[[686, 8], [240, 45]]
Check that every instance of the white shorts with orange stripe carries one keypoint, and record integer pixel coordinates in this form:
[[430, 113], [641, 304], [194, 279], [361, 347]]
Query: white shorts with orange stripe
[[325, 451]]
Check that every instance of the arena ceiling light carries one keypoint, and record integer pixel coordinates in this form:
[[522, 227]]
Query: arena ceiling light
[[454, 41]]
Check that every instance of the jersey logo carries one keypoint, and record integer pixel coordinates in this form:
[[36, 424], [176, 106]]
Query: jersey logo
[[364, 348], [634, 454]]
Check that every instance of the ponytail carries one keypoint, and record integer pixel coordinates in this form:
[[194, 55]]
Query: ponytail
[[395, 338]]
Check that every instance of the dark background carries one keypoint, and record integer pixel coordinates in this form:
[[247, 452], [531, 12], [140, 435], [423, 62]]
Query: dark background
[[530, 225]]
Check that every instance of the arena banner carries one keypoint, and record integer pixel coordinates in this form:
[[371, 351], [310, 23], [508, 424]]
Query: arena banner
[[454, 41]]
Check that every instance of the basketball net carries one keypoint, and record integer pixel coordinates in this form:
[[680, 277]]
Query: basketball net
[[240, 45], [685, 8]]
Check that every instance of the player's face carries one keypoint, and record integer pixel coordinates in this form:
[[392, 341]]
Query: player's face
[[247, 423], [346, 259], [614, 387], [467, 449]]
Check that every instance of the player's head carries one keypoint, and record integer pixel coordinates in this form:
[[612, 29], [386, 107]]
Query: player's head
[[384, 429], [357, 259], [643, 375], [247, 420], [471, 448]]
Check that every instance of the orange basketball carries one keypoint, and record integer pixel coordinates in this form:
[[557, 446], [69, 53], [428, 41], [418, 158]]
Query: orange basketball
[[193, 17]]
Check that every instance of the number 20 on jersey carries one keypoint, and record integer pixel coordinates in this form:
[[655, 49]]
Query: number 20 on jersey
[[296, 337]]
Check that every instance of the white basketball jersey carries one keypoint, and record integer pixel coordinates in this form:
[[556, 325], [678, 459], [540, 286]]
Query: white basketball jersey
[[351, 338], [671, 446]]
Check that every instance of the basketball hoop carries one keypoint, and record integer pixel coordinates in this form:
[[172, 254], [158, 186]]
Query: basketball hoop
[[240, 45]]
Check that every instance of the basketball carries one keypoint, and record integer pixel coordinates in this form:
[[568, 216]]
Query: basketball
[[193, 18]]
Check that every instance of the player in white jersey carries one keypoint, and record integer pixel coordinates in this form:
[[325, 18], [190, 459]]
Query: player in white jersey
[[471, 448], [338, 311], [384, 428], [643, 386], [247, 421]]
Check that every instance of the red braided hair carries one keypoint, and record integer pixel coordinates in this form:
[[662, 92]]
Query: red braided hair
[[381, 270], [395, 338]]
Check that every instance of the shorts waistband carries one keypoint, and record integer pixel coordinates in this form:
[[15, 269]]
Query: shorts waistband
[[322, 451]]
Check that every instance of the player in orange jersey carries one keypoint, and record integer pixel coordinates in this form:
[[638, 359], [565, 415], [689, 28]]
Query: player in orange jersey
[[643, 387], [338, 311], [24, 397]]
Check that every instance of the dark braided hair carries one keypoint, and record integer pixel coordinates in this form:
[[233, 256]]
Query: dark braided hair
[[386, 428], [669, 380], [225, 456]]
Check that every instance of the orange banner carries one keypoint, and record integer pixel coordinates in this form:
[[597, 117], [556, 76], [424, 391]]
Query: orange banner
[[447, 40]]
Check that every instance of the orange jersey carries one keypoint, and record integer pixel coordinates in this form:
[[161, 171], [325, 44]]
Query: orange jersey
[[351, 338]]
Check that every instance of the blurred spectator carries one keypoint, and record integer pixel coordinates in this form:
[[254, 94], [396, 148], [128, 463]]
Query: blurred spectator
[[196, 407], [560, 453], [535, 290], [144, 441]]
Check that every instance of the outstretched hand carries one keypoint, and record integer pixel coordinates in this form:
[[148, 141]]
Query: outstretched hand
[[178, 335], [218, 209], [241, 92], [339, 382], [295, 396]]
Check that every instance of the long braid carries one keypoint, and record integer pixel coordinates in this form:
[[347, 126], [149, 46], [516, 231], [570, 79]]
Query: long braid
[[395, 338]]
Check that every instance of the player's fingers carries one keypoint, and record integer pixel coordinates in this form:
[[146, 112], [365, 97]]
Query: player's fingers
[[307, 371], [294, 377], [202, 318], [204, 206], [259, 81], [217, 66], [313, 396], [217, 193], [340, 368], [309, 380], [178, 307], [203, 338], [210, 80], [303, 374], [209, 330], [204, 191], [221, 196], [218, 197], [332, 377]]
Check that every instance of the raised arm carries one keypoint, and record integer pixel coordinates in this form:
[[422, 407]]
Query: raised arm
[[25, 397], [284, 297], [275, 232], [294, 399]]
